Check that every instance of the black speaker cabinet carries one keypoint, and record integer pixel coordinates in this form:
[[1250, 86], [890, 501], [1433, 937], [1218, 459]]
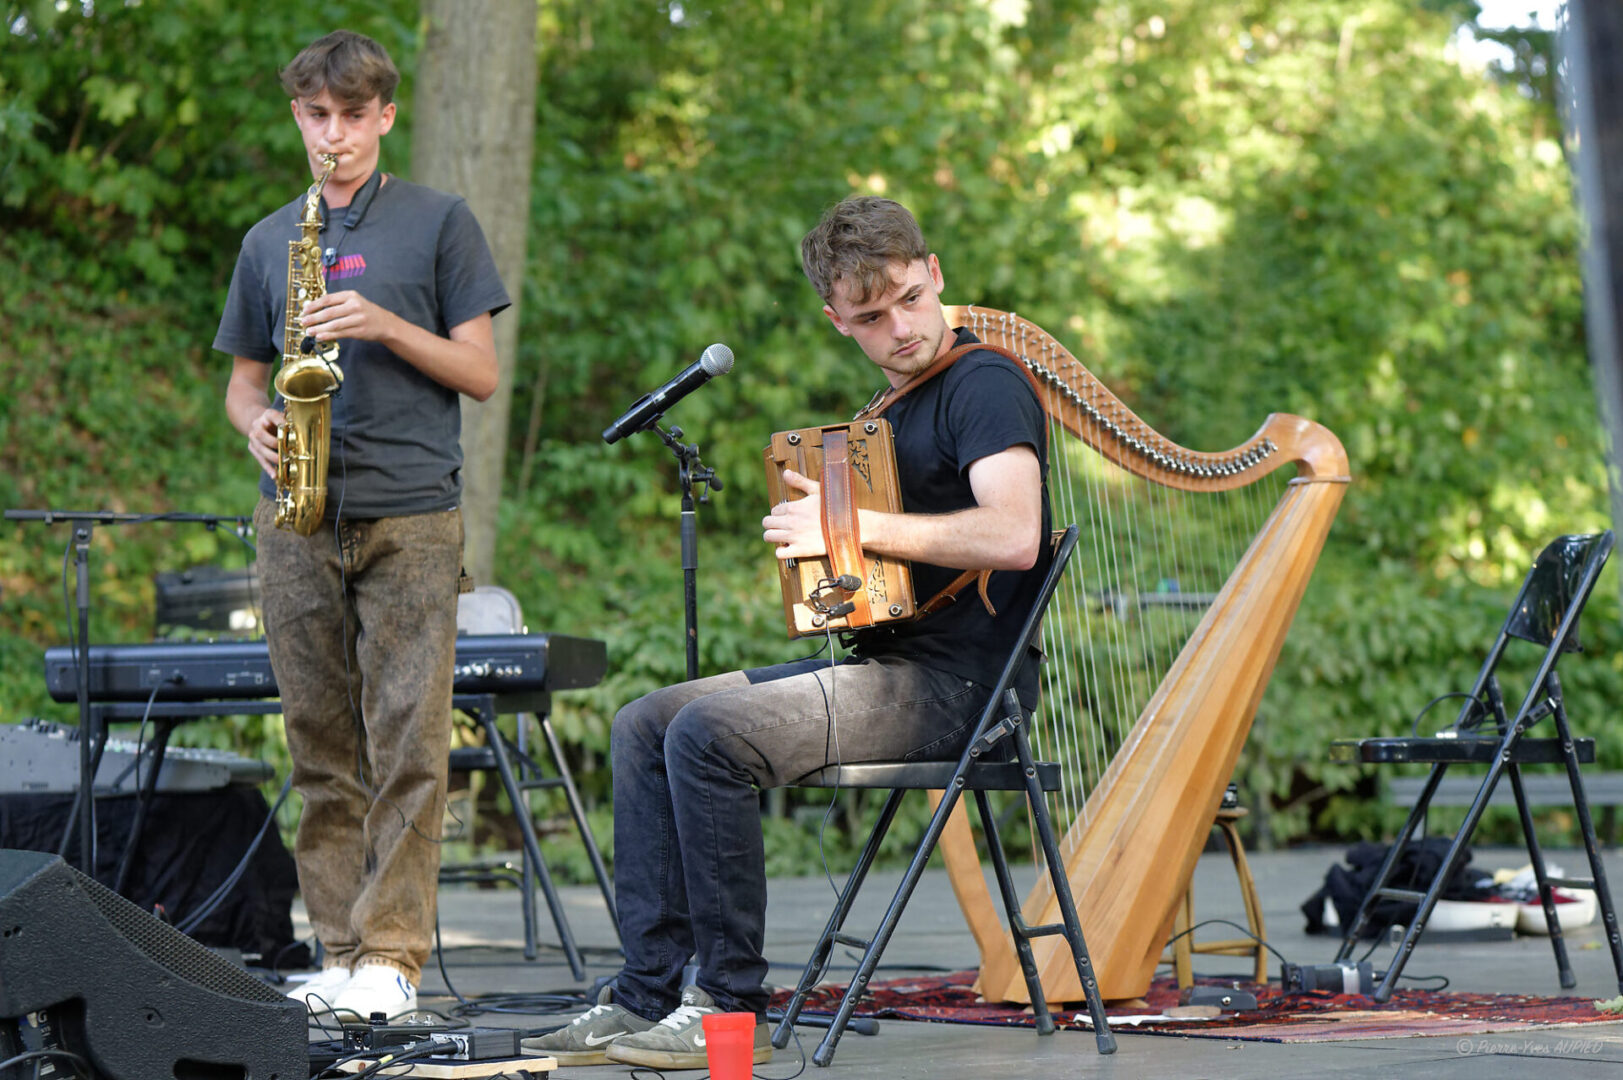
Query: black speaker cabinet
[[82, 969]]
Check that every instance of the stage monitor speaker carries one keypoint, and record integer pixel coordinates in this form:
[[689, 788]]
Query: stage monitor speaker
[[136, 998]]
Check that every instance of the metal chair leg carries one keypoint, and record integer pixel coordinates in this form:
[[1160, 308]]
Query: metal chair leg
[[817, 966], [887, 926], [1349, 940], [1451, 861], [1016, 919], [1104, 1038], [1586, 825], [532, 846], [1541, 876]]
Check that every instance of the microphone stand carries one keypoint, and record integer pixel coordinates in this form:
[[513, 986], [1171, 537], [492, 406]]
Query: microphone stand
[[690, 475], [84, 523]]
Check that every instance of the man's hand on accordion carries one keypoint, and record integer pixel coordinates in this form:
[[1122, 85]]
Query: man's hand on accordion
[[796, 525]]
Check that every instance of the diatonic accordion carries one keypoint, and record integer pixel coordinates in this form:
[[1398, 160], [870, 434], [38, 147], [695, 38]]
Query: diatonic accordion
[[847, 589]]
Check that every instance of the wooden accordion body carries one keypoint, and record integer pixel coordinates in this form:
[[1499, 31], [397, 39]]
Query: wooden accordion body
[[867, 480], [1131, 847]]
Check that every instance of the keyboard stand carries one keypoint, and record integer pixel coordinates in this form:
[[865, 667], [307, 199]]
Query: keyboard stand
[[165, 715], [499, 753], [520, 773]]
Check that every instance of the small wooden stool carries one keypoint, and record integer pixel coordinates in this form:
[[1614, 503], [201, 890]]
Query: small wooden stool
[[1183, 945]]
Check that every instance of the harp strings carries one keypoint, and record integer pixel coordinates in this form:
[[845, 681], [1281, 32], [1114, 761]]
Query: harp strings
[[1153, 559], [1162, 737]]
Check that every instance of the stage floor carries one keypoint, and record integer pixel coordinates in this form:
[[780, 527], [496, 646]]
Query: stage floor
[[483, 934]]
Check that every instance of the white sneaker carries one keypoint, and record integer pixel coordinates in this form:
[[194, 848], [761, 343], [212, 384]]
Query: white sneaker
[[319, 991], [377, 988]]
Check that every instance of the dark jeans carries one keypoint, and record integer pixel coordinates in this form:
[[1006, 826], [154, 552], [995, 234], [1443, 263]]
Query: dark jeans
[[362, 633], [690, 871]]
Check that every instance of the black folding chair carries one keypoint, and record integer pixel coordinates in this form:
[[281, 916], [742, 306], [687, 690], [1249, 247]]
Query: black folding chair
[[973, 772], [1545, 613]]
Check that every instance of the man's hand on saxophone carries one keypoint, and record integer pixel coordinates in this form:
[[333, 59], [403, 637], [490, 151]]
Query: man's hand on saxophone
[[247, 404], [346, 314], [262, 439], [464, 359]]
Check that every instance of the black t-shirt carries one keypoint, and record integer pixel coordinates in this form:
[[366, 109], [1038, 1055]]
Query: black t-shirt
[[396, 433], [980, 406]]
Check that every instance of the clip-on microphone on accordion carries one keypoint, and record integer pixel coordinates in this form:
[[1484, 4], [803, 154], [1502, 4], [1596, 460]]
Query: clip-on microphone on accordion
[[846, 583]]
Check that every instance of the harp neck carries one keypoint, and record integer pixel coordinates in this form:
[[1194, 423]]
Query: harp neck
[[1075, 398]]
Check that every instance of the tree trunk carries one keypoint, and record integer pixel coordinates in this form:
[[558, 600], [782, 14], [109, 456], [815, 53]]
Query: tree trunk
[[473, 130], [1594, 53]]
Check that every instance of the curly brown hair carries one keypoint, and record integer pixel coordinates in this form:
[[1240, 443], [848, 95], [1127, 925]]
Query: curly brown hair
[[859, 240], [353, 67]]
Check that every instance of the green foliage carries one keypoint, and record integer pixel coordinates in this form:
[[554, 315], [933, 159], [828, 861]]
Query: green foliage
[[147, 136], [1224, 208]]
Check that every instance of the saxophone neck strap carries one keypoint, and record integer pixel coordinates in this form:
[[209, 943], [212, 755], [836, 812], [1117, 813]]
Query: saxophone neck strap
[[354, 214], [362, 202]]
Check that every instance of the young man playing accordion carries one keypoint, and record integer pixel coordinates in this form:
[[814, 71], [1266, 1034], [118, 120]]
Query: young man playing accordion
[[688, 759]]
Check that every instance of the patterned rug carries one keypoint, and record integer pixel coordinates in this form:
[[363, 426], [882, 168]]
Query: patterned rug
[[1279, 1017]]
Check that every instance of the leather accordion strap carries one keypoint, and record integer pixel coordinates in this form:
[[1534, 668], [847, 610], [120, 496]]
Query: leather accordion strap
[[841, 532], [889, 396]]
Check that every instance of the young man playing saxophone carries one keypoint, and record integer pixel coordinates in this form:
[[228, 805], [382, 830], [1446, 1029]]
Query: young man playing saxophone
[[690, 876], [361, 615]]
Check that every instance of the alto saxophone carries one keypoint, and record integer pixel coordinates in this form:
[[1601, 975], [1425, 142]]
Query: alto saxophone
[[308, 379]]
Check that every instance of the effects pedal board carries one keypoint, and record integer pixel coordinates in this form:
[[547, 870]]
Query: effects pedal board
[[434, 1050], [452, 1043], [476, 1044], [381, 1036]]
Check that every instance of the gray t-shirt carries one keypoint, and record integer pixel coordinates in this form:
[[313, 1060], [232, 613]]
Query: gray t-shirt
[[396, 433]]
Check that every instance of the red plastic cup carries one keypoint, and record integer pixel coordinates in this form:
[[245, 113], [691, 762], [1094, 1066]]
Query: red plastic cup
[[729, 1045]]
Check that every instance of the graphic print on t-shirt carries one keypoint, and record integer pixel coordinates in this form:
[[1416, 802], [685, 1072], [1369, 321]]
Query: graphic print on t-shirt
[[347, 266]]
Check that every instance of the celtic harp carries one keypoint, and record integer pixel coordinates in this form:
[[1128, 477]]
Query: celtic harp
[[1159, 646]]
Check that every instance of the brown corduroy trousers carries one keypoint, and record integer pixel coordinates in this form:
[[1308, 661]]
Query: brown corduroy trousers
[[361, 623]]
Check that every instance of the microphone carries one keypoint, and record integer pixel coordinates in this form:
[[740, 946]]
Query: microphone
[[717, 360]]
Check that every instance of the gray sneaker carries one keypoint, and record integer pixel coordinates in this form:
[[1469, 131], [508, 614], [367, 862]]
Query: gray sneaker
[[677, 1042], [587, 1040]]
